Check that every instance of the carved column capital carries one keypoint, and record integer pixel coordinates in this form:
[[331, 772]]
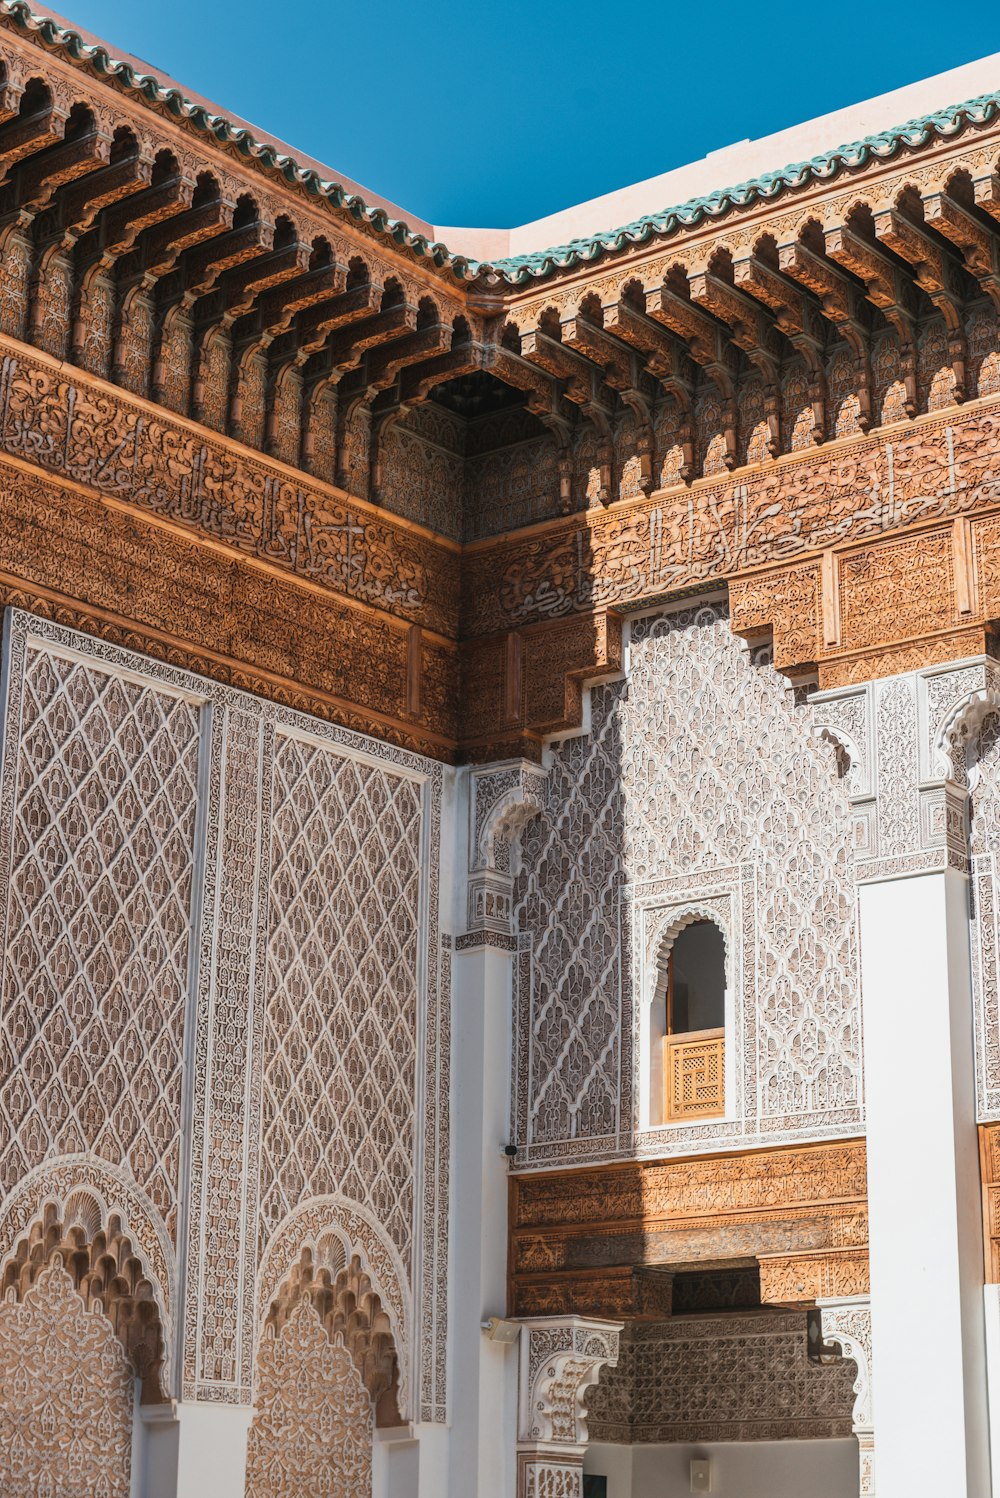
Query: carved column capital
[[846, 1323], [502, 800], [907, 747], [561, 1358]]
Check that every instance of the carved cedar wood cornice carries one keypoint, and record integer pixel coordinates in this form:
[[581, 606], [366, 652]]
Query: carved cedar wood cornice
[[604, 1240], [187, 306]]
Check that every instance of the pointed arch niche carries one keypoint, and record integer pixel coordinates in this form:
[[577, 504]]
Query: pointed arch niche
[[688, 1033]]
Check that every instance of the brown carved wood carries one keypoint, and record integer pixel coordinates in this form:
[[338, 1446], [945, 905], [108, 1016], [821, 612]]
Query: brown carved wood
[[200, 346], [586, 1241]]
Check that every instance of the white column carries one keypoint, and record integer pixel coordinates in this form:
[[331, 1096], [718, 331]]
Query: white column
[[924, 1198], [991, 1296], [925, 1224], [191, 1450], [483, 1375]]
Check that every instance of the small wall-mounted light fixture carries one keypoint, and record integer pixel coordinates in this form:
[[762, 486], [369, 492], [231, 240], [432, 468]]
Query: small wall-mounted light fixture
[[499, 1330], [701, 1475]]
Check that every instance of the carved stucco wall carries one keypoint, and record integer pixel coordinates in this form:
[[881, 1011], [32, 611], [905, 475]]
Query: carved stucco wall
[[313, 1429], [97, 853], [65, 1396], [340, 1037], [700, 784], [315, 985], [721, 1378]]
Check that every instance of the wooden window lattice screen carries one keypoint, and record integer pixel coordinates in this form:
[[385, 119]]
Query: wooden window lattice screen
[[694, 1075]]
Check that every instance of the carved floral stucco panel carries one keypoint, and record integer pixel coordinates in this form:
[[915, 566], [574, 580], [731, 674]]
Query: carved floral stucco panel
[[65, 1396], [699, 774]]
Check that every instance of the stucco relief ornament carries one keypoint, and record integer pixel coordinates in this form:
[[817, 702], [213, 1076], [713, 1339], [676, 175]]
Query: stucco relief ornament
[[502, 800], [847, 1324], [561, 1358]]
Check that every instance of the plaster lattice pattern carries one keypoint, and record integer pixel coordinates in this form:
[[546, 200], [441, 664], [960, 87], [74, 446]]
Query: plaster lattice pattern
[[102, 798], [319, 865], [313, 1430], [717, 1378], [341, 1016], [65, 1397], [663, 804]]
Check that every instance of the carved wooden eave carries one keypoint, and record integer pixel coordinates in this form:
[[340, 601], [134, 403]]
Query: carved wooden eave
[[233, 326]]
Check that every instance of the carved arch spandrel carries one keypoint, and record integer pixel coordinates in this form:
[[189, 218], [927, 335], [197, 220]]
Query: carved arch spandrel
[[334, 1255], [350, 1310], [109, 1273]]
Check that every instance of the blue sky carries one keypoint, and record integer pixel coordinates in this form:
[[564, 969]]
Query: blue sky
[[494, 115]]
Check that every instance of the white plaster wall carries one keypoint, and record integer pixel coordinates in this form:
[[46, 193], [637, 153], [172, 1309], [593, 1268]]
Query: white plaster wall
[[740, 1469]]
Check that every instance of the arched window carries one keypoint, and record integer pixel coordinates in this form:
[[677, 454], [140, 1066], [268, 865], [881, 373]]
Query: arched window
[[687, 1026]]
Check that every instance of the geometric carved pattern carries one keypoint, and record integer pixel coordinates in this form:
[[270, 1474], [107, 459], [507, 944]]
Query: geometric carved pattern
[[717, 1378], [985, 848], [65, 1395], [341, 1020], [695, 1077], [312, 1434], [662, 800], [100, 806], [316, 965]]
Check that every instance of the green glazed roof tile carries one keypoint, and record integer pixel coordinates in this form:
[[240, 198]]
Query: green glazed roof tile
[[517, 270]]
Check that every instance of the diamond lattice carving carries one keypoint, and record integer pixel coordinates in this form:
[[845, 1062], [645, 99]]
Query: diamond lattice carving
[[340, 1032], [104, 787], [312, 1433], [65, 1396]]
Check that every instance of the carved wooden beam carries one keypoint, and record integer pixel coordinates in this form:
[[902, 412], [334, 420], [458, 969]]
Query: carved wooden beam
[[664, 353], [706, 339], [314, 324], [121, 224], [751, 329], [39, 124], [347, 346], [937, 272], [563, 364], [277, 306], [613, 358], [384, 362], [979, 245], [798, 318], [31, 187], [204, 263], [842, 304], [77, 206], [239, 288], [709, 346], [986, 193], [418, 380], [161, 246], [99, 252], [888, 287]]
